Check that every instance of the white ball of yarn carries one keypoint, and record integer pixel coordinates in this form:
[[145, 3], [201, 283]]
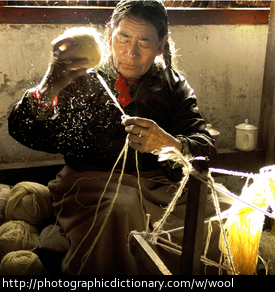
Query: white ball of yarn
[[30, 202], [21, 262], [17, 235], [88, 41]]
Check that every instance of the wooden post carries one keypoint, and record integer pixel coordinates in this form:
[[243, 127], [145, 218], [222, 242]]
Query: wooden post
[[194, 221], [266, 136]]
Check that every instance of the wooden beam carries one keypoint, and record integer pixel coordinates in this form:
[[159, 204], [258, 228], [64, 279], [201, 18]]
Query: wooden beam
[[147, 260], [218, 16], [267, 113], [54, 15], [100, 15]]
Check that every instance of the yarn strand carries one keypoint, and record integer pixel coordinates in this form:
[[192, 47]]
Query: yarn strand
[[87, 254], [171, 153]]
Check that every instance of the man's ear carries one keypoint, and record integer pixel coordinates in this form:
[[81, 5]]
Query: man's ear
[[162, 45]]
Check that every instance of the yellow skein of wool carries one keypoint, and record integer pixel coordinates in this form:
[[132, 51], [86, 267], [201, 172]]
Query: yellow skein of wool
[[30, 202], [244, 227], [17, 235], [21, 262]]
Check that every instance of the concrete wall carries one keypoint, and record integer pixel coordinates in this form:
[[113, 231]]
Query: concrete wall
[[224, 64]]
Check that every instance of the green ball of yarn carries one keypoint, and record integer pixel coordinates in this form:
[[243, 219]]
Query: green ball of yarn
[[30, 202], [21, 262]]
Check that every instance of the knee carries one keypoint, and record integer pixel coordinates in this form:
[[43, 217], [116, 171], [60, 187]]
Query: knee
[[127, 211], [126, 203]]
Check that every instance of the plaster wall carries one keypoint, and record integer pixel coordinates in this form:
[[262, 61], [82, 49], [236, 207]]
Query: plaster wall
[[223, 63], [225, 66]]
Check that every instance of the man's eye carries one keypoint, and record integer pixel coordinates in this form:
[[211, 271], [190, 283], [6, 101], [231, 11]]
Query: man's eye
[[143, 44], [123, 40]]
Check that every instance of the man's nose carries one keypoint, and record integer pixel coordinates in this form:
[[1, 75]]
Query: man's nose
[[132, 50]]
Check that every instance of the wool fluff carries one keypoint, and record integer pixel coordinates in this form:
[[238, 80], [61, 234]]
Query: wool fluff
[[30, 202], [17, 235], [88, 41], [21, 262]]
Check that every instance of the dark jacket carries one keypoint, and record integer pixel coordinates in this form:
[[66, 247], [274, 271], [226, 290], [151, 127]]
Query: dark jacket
[[86, 125]]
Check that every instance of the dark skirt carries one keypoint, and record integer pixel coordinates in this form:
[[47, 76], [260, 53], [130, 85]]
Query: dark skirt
[[95, 250]]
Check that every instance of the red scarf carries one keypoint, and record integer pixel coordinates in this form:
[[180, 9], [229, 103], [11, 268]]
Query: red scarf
[[122, 88]]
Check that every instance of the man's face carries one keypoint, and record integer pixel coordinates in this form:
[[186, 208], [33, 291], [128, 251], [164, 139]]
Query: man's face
[[135, 44]]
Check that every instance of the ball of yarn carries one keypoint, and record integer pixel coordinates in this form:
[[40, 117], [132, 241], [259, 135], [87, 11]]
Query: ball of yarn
[[88, 41], [21, 262], [17, 235], [30, 202], [4, 195]]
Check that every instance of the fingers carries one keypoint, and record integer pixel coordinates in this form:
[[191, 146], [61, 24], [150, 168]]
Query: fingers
[[64, 67], [61, 42], [138, 126], [142, 122], [74, 73], [142, 133], [63, 50], [146, 136], [137, 130], [139, 133], [76, 64], [61, 47]]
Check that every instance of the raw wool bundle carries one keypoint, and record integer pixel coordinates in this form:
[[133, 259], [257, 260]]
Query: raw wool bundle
[[267, 249], [4, 195], [88, 41], [17, 235], [21, 262], [244, 227], [30, 202]]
